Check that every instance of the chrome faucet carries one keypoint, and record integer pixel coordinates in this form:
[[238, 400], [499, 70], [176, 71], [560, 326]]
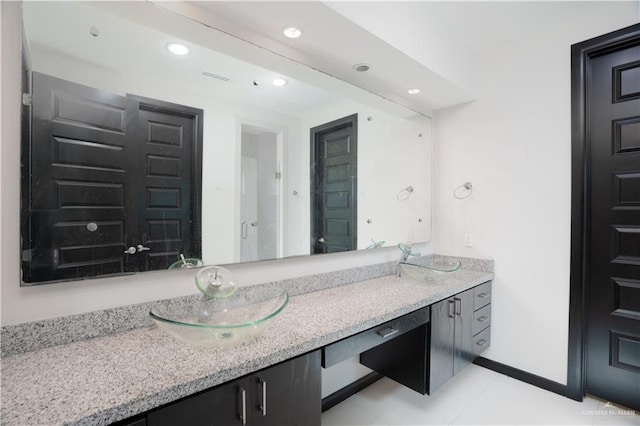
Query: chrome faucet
[[405, 252]]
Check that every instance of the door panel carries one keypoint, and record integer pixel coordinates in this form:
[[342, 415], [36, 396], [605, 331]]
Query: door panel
[[441, 357], [463, 353], [76, 217], [613, 317], [167, 139], [334, 187], [288, 393], [221, 405]]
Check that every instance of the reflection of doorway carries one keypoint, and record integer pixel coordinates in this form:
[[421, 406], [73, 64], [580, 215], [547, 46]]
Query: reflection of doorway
[[259, 194], [333, 186]]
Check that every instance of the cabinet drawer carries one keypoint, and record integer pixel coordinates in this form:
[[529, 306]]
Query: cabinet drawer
[[481, 319], [481, 295], [482, 341], [358, 343]]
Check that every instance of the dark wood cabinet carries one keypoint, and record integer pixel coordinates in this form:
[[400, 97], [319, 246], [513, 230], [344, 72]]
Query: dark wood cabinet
[[451, 338], [288, 393], [421, 350], [431, 353], [459, 333], [221, 405]]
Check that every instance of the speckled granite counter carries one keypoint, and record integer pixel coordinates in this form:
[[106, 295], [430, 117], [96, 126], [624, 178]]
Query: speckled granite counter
[[105, 379]]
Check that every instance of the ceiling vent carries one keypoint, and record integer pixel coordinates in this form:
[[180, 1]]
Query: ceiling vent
[[216, 76]]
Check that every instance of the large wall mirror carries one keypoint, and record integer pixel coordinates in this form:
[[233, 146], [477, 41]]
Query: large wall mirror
[[134, 156]]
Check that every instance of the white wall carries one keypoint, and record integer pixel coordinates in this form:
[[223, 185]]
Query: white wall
[[393, 153], [514, 145]]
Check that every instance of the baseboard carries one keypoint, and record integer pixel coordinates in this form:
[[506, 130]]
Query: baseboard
[[351, 389], [523, 376]]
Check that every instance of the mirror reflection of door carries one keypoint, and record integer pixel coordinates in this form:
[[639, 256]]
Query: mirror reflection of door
[[111, 183], [333, 190], [260, 199]]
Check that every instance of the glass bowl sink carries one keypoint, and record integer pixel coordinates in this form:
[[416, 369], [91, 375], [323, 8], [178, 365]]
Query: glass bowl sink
[[430, 270], [223, 321]]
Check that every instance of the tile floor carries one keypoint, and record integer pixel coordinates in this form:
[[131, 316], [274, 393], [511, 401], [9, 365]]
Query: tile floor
[[476, 396]]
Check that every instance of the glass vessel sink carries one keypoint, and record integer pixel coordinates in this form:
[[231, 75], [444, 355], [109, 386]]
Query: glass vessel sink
[[226, 315], [430, 270]]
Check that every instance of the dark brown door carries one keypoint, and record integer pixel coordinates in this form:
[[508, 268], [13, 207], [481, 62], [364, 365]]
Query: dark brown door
[[168, 184], [613, 315], [333, 190], [105, 174], [75, 215]]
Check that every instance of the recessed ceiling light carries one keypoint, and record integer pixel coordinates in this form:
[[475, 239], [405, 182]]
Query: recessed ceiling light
[[413, 91], [291, 32], [361, 67], [279, 82], [178, 49]]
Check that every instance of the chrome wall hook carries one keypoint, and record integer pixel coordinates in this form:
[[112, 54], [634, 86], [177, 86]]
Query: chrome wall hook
[[463, 191]]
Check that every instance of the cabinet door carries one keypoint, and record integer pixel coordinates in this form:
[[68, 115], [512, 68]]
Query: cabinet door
[[288, 393], [221, 406], [463, 345], [442, 343]]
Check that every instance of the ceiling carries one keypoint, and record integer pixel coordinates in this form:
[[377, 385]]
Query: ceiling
[[430, 45], [409, 44], [58, 33], [333, 44]]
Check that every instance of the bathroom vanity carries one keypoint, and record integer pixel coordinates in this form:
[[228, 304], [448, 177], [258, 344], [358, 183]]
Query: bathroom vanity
[[408, 330]]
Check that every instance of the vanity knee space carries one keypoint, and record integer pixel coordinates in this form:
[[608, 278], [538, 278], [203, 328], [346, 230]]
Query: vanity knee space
[[454, 332]]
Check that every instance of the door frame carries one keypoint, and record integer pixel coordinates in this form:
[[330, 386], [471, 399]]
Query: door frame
[[315, 132], [581, 54], [280, 133]]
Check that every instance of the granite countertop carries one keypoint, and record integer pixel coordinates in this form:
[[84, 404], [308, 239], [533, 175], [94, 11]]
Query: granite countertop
[[106, 379]]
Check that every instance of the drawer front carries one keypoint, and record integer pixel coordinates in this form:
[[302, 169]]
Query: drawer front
[[482, 341], [481, 295], [481, 319], [358, 343]]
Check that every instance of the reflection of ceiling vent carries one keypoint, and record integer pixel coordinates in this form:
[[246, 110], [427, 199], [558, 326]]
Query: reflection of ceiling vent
[[216, 76]]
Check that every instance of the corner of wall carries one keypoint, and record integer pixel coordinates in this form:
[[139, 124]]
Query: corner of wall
[[10, 90]]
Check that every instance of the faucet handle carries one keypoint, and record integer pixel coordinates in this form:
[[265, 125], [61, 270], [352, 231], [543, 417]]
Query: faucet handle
[[406, 249]]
